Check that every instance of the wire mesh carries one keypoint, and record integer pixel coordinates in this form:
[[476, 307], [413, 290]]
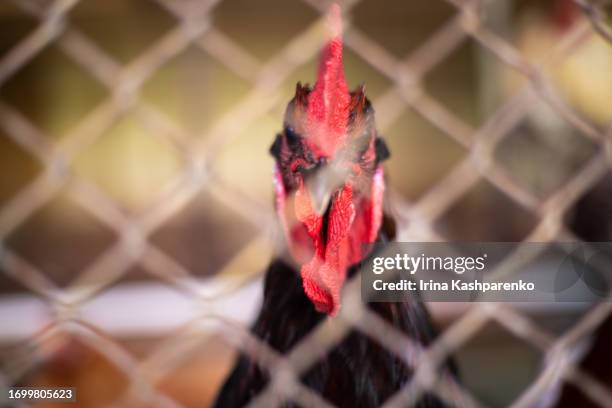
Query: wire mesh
[[194, 27]]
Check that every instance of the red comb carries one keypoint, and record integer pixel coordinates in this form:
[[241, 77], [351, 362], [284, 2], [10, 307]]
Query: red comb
[[328, 103]]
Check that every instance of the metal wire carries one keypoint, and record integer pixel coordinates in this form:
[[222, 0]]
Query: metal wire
[[132, 247]]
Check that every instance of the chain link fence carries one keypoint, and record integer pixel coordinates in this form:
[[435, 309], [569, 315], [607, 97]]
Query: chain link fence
[[132, 246]]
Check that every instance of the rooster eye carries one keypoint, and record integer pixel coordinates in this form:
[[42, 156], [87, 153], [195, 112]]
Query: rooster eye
[[293, 140]]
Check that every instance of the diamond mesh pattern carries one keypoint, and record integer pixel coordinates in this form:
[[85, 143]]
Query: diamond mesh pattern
[[133, 246]]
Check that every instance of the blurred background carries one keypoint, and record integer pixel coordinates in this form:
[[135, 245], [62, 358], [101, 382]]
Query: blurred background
[[136, 193]]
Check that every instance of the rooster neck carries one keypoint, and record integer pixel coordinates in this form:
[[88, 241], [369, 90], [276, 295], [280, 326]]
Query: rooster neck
[[357, 372]]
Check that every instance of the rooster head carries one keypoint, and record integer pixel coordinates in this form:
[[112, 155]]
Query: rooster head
[[329, 182]]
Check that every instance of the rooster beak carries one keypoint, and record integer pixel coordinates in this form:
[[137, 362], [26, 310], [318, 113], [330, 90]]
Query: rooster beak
[[320, 189], [322, 185]]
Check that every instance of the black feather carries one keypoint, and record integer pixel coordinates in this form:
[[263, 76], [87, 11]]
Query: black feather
[[276, 147], [358, 372], [382, 151]]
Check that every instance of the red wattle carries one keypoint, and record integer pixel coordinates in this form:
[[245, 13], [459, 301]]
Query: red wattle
[[324, 275]]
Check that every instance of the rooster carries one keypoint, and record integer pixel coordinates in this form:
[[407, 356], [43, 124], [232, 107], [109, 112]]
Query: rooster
[[329, 188]]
